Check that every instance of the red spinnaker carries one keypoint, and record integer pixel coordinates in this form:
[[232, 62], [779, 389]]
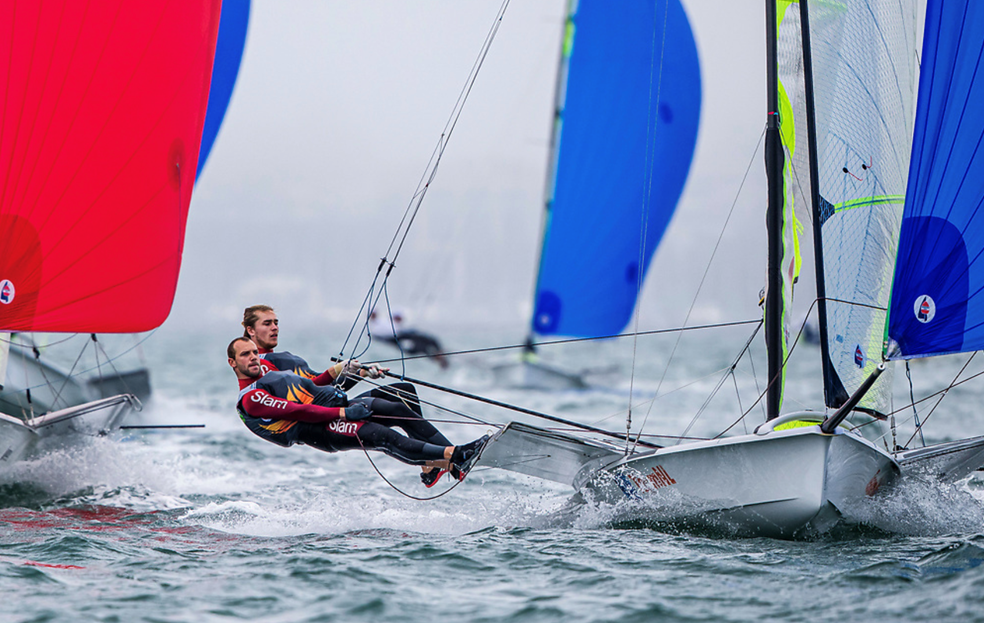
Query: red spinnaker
[[101, 111]]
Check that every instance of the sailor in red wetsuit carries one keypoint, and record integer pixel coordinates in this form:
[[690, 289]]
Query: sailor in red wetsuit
[[392, 401], [286, 409]]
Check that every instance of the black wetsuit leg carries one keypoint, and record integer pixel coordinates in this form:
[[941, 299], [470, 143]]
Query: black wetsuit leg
[[404, 414], [371, 436]]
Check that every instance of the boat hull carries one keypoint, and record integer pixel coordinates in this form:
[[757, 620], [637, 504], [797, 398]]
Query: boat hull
[[25, 439], [782, 484]]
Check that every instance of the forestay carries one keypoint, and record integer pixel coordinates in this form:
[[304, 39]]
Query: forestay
[[937, 291]]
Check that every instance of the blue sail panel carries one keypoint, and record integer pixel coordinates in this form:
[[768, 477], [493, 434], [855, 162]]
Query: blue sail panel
[[233, 20], [627, 131], [937, 303]]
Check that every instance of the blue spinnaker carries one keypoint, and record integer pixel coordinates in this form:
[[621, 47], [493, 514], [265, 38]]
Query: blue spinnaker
[[627, 122], [234, 19], [937, 303]]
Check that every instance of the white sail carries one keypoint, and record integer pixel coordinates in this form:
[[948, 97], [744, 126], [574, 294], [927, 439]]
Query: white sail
[[864, 59]]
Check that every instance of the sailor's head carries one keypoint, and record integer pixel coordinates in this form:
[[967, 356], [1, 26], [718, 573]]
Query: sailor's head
[[244, 358], [260, 325]]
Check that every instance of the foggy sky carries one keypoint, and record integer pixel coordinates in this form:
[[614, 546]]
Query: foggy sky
[[337, 109]]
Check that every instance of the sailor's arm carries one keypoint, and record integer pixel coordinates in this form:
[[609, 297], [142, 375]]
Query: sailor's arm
[[352, 370], [260, 403]]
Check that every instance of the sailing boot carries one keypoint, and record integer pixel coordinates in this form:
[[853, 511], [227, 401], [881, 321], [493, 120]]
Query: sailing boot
[[432, 476], [466, 455]]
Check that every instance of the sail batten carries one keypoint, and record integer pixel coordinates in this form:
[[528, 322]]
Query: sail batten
[[629, 98]]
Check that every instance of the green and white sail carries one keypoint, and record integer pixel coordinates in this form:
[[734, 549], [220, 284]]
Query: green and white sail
[[864, 76], [796, 189]]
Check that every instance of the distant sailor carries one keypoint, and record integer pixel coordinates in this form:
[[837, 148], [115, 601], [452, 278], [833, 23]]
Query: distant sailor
[[391, 330], [285, 408]]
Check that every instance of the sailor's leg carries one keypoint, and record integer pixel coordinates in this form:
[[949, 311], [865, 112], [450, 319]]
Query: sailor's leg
[[398, 414], [401, 392]]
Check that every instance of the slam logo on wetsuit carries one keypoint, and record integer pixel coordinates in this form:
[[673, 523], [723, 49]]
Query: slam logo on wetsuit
[[268, 401], [344, 428], [6, 292]]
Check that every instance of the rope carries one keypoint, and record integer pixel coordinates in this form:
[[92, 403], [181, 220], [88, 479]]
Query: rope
[[430, 171], [644, 212], [398, 489], [704, 276], [942, 393], [504, 405], [490, 349], [85, 371], [778, 374]]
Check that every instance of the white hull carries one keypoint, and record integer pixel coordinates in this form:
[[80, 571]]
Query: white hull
[[781, 484], [773, 483], [24, 439]]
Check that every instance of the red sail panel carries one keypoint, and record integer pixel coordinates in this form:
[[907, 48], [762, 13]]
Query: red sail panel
[[101, 118]]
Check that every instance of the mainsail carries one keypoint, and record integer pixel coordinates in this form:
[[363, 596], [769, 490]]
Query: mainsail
[[100, 126], [794, 182], [864, 67], [937, 301], [628, 102]]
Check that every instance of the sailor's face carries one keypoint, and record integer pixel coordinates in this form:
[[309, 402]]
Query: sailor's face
[[247, 360], [265, 331]]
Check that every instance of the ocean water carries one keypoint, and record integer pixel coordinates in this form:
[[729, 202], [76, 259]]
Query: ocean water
[[214, 524]]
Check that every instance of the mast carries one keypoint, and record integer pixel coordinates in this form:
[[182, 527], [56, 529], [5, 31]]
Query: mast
[[566, 39], [834, 391], [774, 221]]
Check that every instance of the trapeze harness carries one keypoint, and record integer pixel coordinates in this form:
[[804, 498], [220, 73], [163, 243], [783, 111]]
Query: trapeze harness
[[287, 409]]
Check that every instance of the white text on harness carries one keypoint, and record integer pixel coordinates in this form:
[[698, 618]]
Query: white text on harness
[[269, 401], [343, 427]]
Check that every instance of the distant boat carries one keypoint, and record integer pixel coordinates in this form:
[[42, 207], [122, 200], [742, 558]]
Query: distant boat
[[897, 220], [628, 101], [100, 129]]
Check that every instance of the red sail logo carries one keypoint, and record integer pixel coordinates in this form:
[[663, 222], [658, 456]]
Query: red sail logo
[[6, 292]]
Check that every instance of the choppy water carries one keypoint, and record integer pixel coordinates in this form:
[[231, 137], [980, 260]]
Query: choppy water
[[217, 525]]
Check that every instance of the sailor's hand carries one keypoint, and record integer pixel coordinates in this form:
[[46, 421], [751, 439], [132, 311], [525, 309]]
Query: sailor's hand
[[373, 371], [356, 412], [351, 367]]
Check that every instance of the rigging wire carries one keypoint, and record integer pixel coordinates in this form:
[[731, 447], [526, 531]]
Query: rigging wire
[[430, 171], [81, 372], [583, 339], [916, 416], [704, 276], [942, 393], [730, 372], [645, 209], [783, 365]]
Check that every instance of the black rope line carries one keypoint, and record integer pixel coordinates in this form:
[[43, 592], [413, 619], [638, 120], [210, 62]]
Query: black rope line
[[398, 489], [504, 405], [490, 349]]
